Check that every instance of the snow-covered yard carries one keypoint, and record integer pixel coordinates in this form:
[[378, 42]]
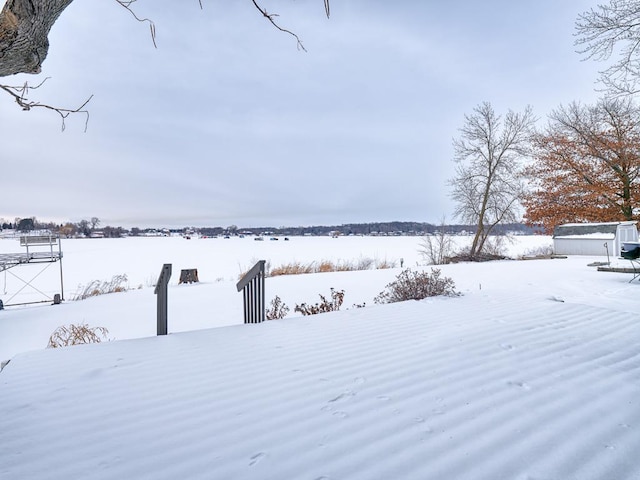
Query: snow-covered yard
[[533, 373]]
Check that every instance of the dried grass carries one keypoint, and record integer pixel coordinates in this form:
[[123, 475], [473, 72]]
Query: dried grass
[[293, 268], [65, 336], [117, 284], [325, 266], [385, 264]]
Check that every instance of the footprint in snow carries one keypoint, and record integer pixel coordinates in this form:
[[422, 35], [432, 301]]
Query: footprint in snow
[[522, 385], [335, 413], [256, 458], [506, 346], [343, 396]]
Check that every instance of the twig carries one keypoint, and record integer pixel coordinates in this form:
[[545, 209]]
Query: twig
[[152, 26], [270, 17], [20, 94]]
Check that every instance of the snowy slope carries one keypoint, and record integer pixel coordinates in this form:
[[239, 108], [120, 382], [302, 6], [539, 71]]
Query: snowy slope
[[536, 376]]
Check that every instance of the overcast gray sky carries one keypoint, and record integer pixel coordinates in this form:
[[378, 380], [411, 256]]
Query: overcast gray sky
[[227, 122]]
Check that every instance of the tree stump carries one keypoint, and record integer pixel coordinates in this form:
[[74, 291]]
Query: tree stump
[[189, 275]]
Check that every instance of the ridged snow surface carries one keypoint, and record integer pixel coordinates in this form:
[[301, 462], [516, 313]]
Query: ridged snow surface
[[518, 385]]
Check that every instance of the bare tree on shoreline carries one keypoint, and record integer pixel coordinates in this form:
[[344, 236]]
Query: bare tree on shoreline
[[489, 182]]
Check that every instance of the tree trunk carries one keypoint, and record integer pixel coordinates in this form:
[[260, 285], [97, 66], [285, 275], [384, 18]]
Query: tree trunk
[[481, 236], [24, 27]]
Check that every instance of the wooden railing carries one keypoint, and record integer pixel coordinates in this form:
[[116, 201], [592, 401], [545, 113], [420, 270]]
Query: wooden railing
[[252, 286]]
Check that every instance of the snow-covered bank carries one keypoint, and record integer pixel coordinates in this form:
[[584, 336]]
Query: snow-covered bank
[[215, 302]]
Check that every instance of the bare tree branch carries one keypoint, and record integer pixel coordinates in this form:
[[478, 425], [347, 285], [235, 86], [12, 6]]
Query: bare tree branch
[[25, 26], [602, 31], [271, 16], [152, 26], [20, 95]]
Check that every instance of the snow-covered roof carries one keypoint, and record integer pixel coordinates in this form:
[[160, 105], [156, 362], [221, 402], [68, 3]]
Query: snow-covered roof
[[594, 231], [463, 388], [581, 224], [586, 236]]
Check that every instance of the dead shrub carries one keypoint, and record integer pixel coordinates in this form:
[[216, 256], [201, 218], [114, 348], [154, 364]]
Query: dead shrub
[[118, 283], [384, 264], [364, 263], [541, 251], [345, 267], [337, 297], [278, 309], [436, 249], [496, 245], [413, 285], [65, 336]]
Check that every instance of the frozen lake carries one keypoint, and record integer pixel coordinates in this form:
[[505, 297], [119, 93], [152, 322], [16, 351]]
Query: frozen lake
[[216, 259]]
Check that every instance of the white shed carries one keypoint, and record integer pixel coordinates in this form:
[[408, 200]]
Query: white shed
[[593, 238]]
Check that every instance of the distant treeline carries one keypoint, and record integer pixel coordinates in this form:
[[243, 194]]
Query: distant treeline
[[92, 228], [379, 228]]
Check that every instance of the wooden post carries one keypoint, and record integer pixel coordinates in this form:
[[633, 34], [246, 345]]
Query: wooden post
[[161, 292], [189, 275]]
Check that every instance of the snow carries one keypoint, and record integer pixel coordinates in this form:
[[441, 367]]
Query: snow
[[533, 373], [589, 236], [582, 224]]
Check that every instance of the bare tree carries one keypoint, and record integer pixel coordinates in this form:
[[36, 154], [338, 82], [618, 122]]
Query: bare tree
[[24, 44], [437, 248], [489, 181], [608, 29], [95, 221]]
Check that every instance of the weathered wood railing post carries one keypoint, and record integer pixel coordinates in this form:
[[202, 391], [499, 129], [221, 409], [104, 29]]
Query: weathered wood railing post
[[161, 292], [252, 285]]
